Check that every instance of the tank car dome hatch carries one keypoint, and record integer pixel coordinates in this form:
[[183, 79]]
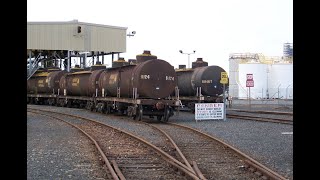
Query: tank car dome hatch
[[51, 69], [182, 66], [145, 56], [76, 68], [119, 63], [40, 70], [199, 63], [132, 61], [97, 66]]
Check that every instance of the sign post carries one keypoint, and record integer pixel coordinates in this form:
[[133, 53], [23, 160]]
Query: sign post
[[249, 83], [224, 80]]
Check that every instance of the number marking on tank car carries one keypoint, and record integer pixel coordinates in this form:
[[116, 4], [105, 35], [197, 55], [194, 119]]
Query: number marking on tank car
[[143, 76], [169, 78], [206, 81]]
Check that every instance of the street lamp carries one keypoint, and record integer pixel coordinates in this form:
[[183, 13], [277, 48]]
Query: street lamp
[[194, 51], [131, 33]]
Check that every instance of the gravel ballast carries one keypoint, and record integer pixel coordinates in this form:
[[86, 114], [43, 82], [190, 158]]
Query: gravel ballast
[[57, 151], [269, 143]]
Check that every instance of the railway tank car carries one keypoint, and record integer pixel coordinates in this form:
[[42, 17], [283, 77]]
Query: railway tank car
[[201, 83], [44, 81], [141, 89], [151, 77], [153, 80], [82, 82]]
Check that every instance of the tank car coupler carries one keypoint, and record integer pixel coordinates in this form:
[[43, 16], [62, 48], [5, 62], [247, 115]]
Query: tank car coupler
[[159, 105]]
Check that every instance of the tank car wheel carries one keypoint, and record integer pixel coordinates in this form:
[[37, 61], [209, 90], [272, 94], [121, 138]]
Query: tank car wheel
[[159, 118], [139, 113], [69, 104], [166, 115], [168, 112], [108, 109], [51, 102], [101, 108]]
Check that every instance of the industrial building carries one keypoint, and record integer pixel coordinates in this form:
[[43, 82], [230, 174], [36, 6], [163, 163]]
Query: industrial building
[[55, 43], [272, 76]]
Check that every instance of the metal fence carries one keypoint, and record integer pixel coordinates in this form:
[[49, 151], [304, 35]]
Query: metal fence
[[270, 93], [262, 104]]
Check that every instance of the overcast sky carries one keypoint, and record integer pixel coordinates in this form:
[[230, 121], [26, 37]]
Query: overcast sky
[[213, 28]]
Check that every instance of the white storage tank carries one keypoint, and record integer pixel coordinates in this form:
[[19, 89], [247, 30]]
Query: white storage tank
[[259, 72], [280, 81]]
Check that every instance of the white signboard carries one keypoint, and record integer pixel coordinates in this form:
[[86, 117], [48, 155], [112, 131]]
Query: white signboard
[[208, 111]]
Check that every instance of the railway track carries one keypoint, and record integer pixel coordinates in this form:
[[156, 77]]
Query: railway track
[[214, 159], [264, 116], [136, 158]]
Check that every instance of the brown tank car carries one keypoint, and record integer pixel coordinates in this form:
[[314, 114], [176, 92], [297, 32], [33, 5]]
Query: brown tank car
[[142, 88], [153, 78], [45, 81], [207, 77], [82, 83]]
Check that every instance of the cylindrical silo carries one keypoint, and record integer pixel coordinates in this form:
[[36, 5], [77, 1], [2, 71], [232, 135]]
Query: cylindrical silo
[[259, 72], [280, 81]]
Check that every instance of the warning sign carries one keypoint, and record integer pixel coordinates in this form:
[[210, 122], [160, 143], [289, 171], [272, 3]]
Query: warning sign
[[224, 78], [209, 111], [249, 83]]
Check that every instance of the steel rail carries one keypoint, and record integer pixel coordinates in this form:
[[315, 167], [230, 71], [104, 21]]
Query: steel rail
[[266, 171], [263, 119], [113, 173], [263, 112], [163, 154], [175, 146]]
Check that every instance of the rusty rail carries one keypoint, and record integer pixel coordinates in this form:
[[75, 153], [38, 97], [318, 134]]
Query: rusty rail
[[263, 119], [164, 155], [260, 167], [111, 170]]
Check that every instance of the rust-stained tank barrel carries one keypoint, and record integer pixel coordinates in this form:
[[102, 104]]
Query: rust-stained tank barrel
[[76, 84], [153, 79], [208, 78], [45, 81], [83, 83], [93, 83]]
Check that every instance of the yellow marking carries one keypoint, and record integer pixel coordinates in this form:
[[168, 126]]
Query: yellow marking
[[40, 83], [75, 82], [113, 78]]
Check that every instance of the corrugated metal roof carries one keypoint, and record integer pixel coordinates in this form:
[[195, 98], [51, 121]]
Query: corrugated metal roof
[[74, 22]]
